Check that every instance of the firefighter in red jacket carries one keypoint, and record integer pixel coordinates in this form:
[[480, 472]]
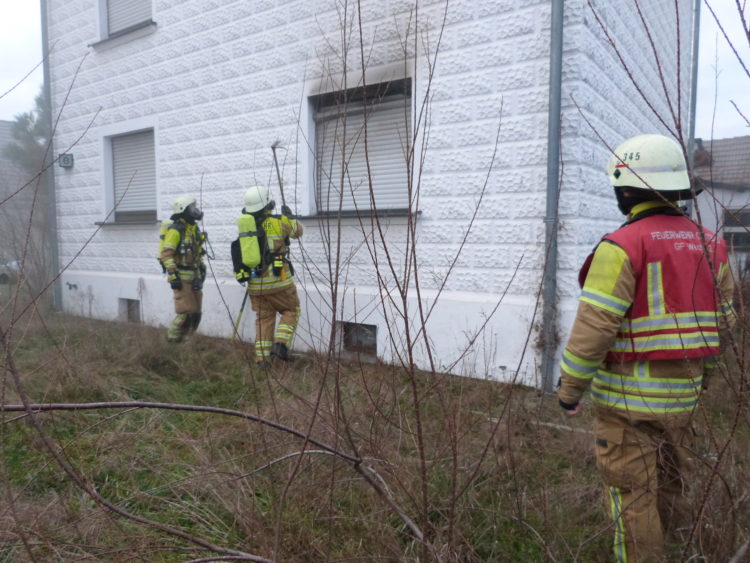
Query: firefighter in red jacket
[[654, 294]]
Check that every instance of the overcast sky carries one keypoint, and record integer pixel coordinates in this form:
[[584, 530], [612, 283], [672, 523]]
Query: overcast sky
[[719, 74]]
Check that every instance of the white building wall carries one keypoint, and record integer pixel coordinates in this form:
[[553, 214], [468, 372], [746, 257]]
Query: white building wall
[[603, 106], [220, 80]]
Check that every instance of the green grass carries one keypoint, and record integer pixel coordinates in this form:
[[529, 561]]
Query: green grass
[[528, 491]]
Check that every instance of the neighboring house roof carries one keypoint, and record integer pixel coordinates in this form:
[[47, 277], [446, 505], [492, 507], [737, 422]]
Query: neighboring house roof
[[723, 163]]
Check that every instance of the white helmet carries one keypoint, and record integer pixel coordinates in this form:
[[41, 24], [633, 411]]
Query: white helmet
[[651, 162], [182, 203], [257, 198]]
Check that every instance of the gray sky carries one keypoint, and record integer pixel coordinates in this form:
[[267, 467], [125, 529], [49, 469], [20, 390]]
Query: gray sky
[[721, 78], [21, 48]]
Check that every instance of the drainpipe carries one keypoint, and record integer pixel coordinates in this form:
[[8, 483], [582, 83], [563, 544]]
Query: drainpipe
[[694, 79], [693, 94], [50, 174], [549, 282], [694, 75]]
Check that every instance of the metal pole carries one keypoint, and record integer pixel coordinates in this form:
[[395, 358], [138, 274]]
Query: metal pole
[[235, 328], [50, 173], [693, 92], [549, 284], [278, 173]]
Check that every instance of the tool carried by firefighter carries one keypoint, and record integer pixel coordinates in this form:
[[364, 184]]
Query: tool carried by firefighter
[[236, 327]]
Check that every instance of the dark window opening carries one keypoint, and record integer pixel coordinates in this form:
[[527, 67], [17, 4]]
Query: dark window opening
[[734, 218], [130, 310], [359, 338]]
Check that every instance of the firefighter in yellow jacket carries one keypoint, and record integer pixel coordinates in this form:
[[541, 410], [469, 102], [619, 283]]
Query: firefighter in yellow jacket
[[654, 294], [271, 284], [182, 259]]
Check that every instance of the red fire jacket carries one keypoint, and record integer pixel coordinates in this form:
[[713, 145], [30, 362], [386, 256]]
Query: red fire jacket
[[675, 311]]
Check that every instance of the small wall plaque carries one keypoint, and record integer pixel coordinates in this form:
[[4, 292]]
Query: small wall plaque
[[65, 160]]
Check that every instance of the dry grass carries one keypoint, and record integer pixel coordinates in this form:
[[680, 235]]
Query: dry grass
[[505, 477]]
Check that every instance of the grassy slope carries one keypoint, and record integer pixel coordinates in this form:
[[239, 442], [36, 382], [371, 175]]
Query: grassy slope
[[521, 489]]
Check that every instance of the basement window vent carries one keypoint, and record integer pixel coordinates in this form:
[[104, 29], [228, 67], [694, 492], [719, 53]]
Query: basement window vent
[[359, 338], [130, 310]]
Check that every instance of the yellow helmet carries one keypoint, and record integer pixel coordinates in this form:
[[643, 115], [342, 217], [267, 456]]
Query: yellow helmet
[[650, 162], [257, 198]]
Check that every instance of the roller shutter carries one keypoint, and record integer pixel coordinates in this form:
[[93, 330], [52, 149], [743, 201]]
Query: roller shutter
[[122, 14], [134, 171], [339, 134]]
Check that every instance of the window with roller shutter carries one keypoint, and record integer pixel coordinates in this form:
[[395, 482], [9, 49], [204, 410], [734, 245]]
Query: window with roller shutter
[[134, 177], [123, 15], [350, 178]]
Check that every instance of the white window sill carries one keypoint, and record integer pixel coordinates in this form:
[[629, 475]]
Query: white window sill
[[125, 35]]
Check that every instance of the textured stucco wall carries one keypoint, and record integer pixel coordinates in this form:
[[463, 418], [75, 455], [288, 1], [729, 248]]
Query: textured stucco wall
[[220, 80]]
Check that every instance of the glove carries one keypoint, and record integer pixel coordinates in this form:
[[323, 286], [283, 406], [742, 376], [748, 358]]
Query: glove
[[286, 211], [174, 280], [567, 406], [571, 409]]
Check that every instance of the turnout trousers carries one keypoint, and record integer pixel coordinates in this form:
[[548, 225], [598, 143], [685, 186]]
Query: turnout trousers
[[188, 304], [284, 302], [642, 464]]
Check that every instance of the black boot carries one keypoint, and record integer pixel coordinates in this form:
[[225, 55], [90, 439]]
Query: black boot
[[280, 350]]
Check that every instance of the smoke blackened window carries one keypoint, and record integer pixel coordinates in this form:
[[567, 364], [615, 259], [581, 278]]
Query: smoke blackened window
[[362, 146]]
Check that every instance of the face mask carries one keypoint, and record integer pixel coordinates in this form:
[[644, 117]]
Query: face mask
[[624, 204], [194, 213]]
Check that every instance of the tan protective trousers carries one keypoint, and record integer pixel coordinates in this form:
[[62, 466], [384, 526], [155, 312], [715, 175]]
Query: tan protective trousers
[[284, 302], [187, 306], [642, 464]]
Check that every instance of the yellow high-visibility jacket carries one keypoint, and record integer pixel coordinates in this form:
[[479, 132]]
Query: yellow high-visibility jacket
[[277, 230], [183, 249]]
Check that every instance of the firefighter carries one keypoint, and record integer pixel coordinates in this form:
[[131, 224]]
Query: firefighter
[[654, 294], [271, 284], [182, 258]]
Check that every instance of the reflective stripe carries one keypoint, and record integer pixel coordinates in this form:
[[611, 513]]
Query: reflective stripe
[[578, 367], [661, 385], [710, 362], [703, 319], [691, 341], [726, 308], [621, 554], [284, 333], [659, 405], [649, 169], [262, 348], [248, 234], [642, 369], [655, 289], [269, 282], [603, 301]]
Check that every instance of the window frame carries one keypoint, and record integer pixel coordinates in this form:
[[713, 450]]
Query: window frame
[[109, 215], [323, 108], [735, 228], [145, 26]]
